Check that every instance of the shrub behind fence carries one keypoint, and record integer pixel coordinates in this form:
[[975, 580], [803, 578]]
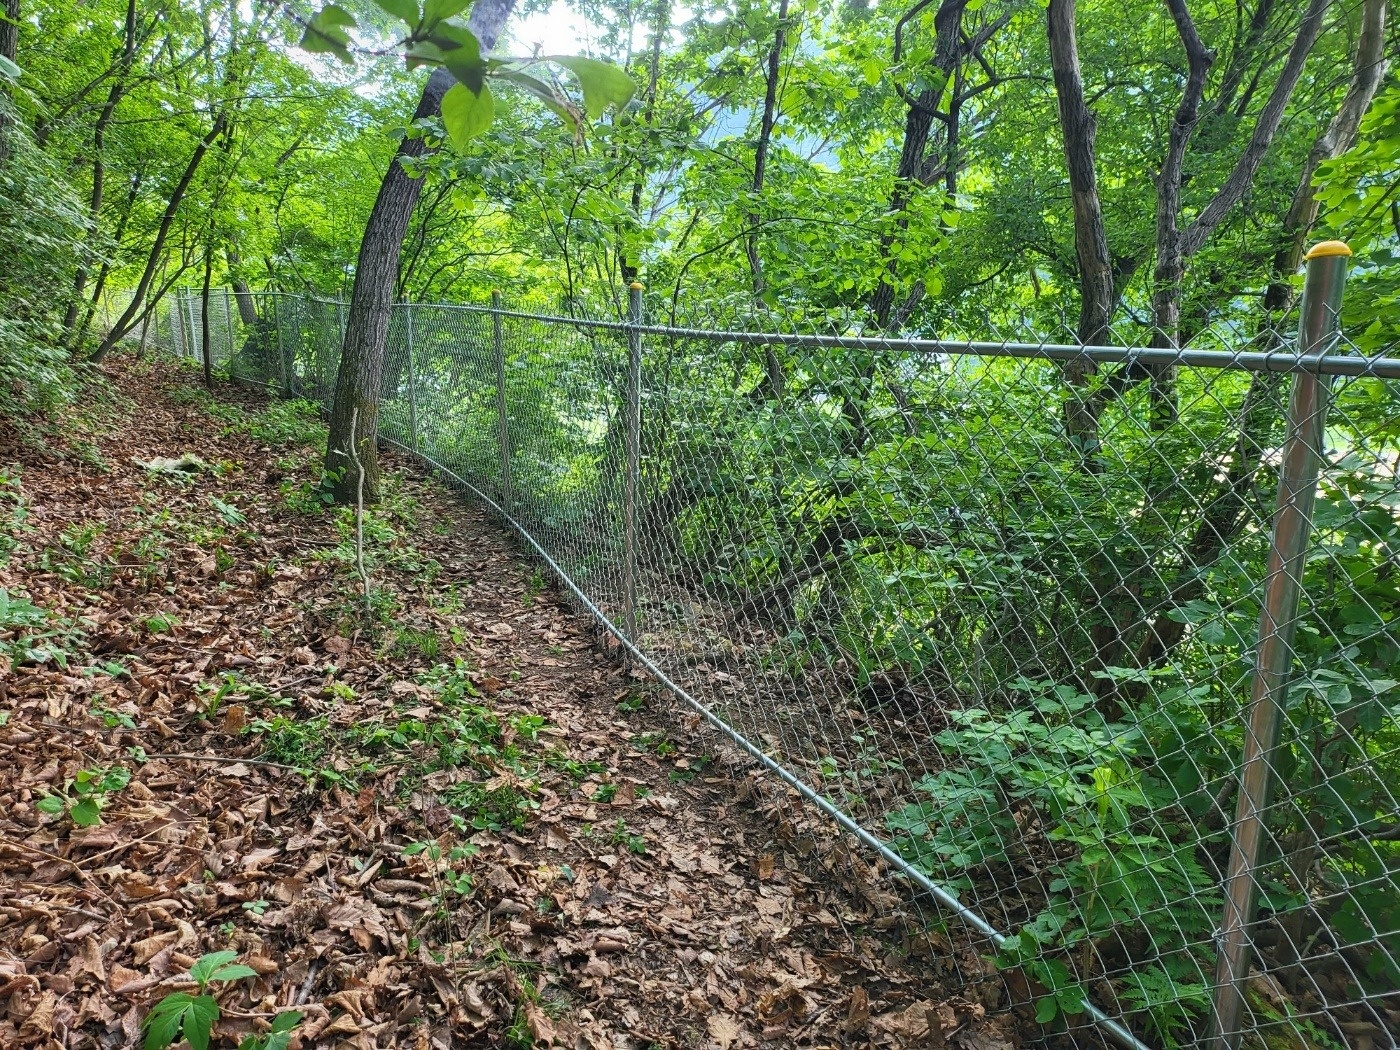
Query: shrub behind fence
[[1096, 647]]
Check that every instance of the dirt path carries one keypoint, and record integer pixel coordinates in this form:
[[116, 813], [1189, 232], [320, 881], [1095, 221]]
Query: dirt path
[[452, 820]]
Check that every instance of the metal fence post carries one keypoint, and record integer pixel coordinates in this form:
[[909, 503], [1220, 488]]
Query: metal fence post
[[412, 378], [1302, 452], [281, 348], [632, 474], [189, 311], [228, 320], [498, 346]]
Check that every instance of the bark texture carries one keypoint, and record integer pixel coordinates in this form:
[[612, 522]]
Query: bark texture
[[918, 123], [1176, 245], [1096, 289], [355, 415], [773, 368], [9, 47]]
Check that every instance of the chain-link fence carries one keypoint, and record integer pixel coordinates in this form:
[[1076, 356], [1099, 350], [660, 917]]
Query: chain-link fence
[[995, 608]]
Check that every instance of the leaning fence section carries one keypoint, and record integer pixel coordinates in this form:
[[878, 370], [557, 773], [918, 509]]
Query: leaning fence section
[[997, 607]]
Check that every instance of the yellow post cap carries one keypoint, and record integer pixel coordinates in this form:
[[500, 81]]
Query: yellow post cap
[[1323, 249], [637, 286]]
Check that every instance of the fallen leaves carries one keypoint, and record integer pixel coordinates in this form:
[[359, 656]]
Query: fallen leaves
[[637, 898]]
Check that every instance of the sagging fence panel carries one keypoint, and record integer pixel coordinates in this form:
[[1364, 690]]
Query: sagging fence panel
[[1004, 628]]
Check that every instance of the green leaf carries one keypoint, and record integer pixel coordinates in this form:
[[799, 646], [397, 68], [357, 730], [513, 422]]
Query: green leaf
[[603, 83], [466, 115], [163, 1022], [278, 1036], [326, 32], [86, 814], [199, 1020], [202, 972], [461, 54], [235, 972], [437, 10], [404, 10], [1046, 1009], [544, 93], [9, 70], [286, 1021], [51, 804]]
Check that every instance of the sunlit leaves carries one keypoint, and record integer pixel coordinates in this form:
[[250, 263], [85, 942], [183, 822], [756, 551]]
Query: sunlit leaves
[[181, 1014], [603, 83], [465, 114], [469, 108], [328, 31], [439, 10], [404, 10]]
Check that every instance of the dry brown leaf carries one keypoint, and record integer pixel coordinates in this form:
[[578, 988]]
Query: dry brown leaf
[[40, 1019], [858, 1009], [143, 951], [541, 1027], [983, 1035], [724, 1030]]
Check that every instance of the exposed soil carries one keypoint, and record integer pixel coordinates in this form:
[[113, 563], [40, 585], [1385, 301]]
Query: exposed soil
[[452, 821]]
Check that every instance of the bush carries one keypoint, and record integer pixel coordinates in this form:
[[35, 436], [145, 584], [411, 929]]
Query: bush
[[42, 225]]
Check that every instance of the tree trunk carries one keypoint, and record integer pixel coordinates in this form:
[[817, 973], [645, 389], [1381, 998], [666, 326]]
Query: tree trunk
[[772, 366], [1368, 70], [99, 164], [9, 47], [354, 420], [1175, 245], [247, 305], [9, 31], [661, 21], [131, 315], [1225, 510], [923, 111], [1096, 290]]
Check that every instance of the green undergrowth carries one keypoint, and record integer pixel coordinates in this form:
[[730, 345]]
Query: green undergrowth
[[495, 764]]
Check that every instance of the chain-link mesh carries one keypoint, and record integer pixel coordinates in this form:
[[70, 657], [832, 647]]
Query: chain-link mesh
[[993, 604]]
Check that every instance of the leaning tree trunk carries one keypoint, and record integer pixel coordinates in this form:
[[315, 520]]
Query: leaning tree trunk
[[132, 315], [1175, 244], [1096, 291], [1224, 511], [772, 366], [355, 413], [918, 123]]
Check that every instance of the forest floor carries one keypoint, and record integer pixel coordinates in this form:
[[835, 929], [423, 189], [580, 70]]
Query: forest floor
[[451, 819]]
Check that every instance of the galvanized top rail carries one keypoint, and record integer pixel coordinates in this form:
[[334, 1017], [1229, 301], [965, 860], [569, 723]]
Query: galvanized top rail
[[1286, 361]]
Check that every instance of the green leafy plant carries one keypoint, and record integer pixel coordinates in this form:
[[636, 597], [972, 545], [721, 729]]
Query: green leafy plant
[[161, 622], [469, 108], [278, 1037], [193, 1016], [292, 742], [214, 696], [84, 797], [113, 719], [529, 726], [622, 835], [231, 514], [18, 612]]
